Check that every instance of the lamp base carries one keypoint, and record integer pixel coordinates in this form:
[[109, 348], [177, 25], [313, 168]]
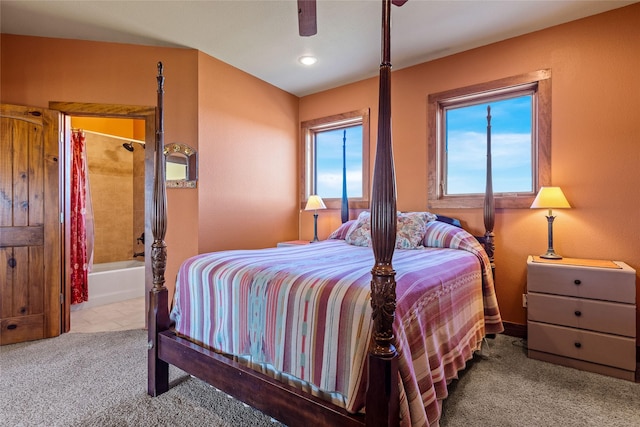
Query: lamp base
[[551, 255], [315, 227]]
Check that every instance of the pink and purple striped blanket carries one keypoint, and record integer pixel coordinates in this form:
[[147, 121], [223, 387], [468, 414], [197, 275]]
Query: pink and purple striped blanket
[[305, 311]]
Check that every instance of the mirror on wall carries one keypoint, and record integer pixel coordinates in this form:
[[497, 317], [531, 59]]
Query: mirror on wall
[[181, 165]]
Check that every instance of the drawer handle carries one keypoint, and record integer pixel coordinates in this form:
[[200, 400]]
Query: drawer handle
[[577, 344], [577, 313], [12, 326], [577, 281]]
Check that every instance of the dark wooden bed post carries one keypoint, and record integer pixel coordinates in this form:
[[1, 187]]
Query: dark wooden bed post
[[158, 374], [344, 207], [489, 207], [382, 392]]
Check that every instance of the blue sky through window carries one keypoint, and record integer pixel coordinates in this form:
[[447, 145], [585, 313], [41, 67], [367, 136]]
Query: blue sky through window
[[511, 146], [329, 162]]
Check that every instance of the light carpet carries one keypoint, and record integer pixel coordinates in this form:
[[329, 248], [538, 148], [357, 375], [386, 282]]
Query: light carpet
[[99, 379]]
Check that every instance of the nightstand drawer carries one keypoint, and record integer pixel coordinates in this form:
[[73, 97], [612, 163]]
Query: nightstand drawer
[[593, 347], [600, 316], [608, 284]]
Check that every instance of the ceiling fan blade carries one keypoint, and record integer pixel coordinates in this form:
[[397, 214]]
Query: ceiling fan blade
[[307, 18], [399, 2]]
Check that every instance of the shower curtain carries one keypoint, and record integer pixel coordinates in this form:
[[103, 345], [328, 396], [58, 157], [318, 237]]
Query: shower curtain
[[81, 221]]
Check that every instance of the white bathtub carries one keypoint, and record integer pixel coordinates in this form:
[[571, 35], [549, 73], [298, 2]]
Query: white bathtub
[[113, 282]]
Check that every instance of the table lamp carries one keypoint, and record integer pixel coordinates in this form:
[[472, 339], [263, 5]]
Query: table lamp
[[550, 198], [313, 204]]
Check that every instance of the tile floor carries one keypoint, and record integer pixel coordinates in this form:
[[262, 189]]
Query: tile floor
[[118, 316]]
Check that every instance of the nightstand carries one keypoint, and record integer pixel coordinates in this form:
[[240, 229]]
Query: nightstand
[[292, 243], [582, 313]]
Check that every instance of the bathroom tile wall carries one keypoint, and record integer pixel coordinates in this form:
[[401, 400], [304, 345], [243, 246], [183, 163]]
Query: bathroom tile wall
[[138, 197], [111, 181]]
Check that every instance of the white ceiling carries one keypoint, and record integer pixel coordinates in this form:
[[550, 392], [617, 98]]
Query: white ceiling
[[261, 37]]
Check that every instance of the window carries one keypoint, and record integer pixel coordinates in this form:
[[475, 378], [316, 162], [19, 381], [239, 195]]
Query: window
[[332, 145], [520, 142]]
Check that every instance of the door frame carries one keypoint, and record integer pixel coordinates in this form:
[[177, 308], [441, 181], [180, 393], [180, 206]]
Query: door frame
[[117, 111]]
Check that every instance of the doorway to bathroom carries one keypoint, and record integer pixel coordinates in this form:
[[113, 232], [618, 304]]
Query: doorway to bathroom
[[114, 208], [121, 175]]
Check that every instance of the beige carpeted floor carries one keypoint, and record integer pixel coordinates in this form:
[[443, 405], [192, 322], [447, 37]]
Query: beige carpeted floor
[[99, 379]]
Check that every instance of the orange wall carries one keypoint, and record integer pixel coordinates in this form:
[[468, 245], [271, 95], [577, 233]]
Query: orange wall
[[245, 130], [117, 127], [595, 139], [248, 132]]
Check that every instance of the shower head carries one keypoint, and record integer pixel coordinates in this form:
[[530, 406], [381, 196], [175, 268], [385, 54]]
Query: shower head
[[128, 146]]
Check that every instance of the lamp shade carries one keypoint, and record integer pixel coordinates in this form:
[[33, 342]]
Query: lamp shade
[[315, 202], [550, 198]]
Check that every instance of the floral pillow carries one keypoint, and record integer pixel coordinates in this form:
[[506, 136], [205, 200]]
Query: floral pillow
[[410, 229], [360, 233]]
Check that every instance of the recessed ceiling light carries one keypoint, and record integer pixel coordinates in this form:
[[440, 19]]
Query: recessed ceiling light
[[307, 60]]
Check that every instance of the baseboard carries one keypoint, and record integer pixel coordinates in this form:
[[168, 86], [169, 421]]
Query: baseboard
[[515, 329], [583, 365], [105, 298]]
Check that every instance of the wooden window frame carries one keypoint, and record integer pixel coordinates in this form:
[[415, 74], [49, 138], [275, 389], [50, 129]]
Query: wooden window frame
[[541, 136], [307, 131]]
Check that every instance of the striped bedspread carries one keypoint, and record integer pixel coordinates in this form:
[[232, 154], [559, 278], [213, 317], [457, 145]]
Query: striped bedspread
[[305, 311]]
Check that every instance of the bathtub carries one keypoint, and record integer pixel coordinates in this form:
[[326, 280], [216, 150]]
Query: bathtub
[[113, 282]]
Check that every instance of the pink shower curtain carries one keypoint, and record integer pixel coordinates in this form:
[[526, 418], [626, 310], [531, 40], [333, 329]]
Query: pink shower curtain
[[81, 221]]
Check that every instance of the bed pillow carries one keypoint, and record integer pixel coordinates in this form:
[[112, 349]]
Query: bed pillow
[[442, 235], [410, 229], [360, 233], [342, 231]]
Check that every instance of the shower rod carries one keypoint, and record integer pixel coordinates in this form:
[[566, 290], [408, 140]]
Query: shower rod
[[110, 136]]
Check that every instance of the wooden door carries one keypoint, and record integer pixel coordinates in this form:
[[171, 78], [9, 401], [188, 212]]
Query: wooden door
[[30, 280]]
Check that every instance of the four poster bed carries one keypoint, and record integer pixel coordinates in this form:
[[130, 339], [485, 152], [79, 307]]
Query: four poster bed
[[330, 333]]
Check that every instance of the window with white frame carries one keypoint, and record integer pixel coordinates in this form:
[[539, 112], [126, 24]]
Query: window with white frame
[[520, 142], [336, 147]]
